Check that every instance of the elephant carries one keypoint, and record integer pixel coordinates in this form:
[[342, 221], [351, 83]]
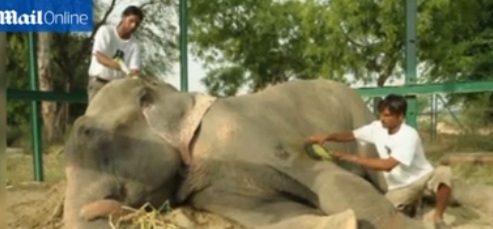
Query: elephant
[[241, 157]]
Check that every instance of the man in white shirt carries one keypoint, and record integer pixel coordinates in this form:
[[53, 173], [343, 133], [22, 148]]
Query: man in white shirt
[[115, 52], [401, 158]]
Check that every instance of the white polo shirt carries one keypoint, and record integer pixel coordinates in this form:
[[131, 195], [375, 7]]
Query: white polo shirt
[[107, 41], [404, 146]]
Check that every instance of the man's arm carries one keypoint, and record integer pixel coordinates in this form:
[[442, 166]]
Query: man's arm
[[341, 136], [371, 163], [401, 153], [107, 61], [101, 42]]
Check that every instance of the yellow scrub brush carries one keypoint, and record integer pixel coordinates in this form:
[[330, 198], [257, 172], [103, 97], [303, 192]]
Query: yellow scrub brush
[[318, 152]]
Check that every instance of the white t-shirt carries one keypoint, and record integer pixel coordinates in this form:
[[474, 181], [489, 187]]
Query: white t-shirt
[[404, 146], [109, 42]]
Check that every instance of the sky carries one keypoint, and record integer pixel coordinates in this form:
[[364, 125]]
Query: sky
[[195, 73]]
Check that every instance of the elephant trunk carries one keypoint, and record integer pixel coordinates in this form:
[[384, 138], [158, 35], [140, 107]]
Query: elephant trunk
[[89, 202]]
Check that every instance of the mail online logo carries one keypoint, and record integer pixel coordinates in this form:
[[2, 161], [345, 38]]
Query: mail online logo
[[46, 16]]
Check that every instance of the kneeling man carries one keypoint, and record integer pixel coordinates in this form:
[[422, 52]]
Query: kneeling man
[[405, 167]]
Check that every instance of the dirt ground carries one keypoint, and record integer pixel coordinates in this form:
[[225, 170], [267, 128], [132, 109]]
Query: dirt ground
[[32, 205]]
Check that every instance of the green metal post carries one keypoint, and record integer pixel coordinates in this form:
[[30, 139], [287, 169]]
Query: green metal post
[[411, 14], [183, 46], [434, 116], [35, 112]]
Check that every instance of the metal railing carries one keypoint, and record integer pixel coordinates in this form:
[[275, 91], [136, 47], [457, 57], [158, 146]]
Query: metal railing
[[81, 97]]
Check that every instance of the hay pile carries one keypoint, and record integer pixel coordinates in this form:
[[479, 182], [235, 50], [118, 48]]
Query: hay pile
[[180, 218], [42, 208]]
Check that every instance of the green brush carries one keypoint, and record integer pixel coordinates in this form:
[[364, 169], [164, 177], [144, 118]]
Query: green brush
[[318, 152]]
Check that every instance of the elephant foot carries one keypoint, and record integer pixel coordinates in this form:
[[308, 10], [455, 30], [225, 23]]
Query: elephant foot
[[342, 220]]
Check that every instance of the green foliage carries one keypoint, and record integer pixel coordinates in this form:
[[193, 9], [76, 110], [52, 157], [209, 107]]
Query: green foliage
[[69, 67], [462, 50], [225, 81], [263, 38], [365, 37], [477, 112], [158, 36], [447, 42], [17, 76], [276, 41], [269, 41]]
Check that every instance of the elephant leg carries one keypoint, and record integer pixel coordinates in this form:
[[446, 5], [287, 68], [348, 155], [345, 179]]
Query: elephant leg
[[342, 220], [252, 211], [339, 190]]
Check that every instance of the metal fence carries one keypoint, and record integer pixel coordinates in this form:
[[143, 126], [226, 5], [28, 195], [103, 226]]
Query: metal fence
[[411, 90], [437, 115]]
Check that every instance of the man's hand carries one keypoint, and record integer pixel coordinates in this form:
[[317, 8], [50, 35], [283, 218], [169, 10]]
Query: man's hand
[[107, 61], [318, 138], [134, 72], [123, 67]]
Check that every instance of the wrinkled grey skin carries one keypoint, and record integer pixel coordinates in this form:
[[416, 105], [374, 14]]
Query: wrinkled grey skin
[[247, 160]]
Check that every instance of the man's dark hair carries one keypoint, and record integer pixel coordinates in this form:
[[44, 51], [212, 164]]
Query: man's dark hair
[[396, 104], [133, 10]]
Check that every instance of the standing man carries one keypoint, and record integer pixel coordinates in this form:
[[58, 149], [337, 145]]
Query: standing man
[[401, 158], [115, 52]]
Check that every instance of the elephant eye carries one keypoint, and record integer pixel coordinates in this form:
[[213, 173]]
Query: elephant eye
[[85, 131], [105, 160], [104, 153]]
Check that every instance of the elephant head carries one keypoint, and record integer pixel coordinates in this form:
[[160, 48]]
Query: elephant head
[[114, 157]]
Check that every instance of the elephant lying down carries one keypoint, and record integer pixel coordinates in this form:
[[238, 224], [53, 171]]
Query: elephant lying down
[[239, 157]]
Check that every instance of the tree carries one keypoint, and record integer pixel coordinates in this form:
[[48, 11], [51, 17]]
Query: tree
[[367, 38], [266, 42], [252, 42], [17, 77], [52, 117], [462, 51]]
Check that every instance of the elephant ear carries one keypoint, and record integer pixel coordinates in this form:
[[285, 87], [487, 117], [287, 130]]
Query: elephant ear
[[175, 116]]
